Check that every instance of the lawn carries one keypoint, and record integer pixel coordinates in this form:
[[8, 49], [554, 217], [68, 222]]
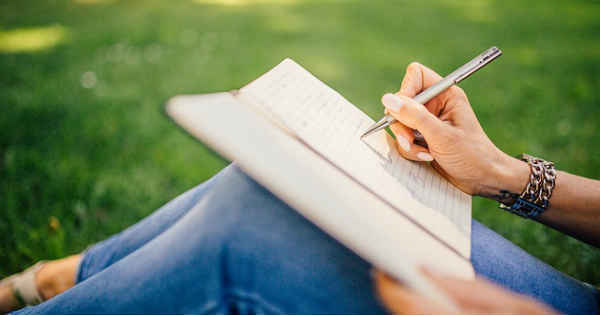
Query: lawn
[[86, 150]]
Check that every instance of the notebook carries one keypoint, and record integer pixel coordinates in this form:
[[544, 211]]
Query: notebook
[[301, 140]]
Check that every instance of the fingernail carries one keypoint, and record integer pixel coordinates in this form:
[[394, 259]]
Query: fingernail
[[404, 144], [392, 102], [424, 156]]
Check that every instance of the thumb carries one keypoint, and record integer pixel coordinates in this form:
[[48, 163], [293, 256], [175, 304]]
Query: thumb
[[414, 115]]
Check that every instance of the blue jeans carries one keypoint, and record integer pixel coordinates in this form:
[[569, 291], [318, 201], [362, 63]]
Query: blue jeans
[[230, 246]]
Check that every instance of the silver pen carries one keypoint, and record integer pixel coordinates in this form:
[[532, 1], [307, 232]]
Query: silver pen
[[453, 78]]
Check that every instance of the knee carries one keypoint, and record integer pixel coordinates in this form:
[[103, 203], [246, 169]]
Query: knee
[[237, 204], [235, 191], [233, 178]]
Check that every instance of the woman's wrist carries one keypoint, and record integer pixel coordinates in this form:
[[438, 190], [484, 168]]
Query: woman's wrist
[[506, 179]]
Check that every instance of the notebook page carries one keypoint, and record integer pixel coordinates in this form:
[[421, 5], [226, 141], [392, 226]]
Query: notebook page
[[331, 125]]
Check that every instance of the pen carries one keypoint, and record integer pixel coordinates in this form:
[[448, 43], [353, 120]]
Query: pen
[[453, 78]]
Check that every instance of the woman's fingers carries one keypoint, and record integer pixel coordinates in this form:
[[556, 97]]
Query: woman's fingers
[[409, 150], [482, 296], [477, 296], [404, 137], [415, 116], [417, 78], [401, 300]]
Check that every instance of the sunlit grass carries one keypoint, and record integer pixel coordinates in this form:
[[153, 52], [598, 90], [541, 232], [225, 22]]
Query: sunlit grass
[[93, 1], [85, 139], [32, 39], [473, 10], [282, 20], [244, 2]]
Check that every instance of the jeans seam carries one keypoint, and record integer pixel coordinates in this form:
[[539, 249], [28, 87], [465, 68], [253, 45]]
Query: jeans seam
[[253, 298], [210, 309], [82, 267]]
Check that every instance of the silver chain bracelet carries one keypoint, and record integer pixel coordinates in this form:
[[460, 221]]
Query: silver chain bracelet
[[535, 198]]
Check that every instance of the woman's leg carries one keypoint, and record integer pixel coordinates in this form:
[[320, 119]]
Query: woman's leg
[[510, 266], [56, 276], [242, 250], [111, 250]]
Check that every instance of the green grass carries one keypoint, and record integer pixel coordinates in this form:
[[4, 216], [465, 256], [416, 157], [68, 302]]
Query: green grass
[[100, 158]]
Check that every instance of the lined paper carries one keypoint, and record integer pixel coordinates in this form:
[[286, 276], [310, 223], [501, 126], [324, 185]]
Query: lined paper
[[331, 125]]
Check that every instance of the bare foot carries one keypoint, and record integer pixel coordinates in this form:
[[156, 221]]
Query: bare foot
[[53, 278]]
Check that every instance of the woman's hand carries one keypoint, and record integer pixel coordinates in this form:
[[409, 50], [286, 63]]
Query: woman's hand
[[471, 297], [461, 152], [457, 145]]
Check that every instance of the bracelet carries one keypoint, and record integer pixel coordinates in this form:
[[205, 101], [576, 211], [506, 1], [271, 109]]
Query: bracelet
[[535, 198]]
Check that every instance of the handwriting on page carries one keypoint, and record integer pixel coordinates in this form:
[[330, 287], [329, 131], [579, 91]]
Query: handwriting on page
[[330, 124]]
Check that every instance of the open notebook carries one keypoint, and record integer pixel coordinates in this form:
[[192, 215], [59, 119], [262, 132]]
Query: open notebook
[[301, 140]]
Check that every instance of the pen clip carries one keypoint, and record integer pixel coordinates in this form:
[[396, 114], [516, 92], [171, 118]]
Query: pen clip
[[476, 64]]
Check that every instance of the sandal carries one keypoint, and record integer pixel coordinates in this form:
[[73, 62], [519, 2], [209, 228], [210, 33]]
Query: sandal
[[23, 286]]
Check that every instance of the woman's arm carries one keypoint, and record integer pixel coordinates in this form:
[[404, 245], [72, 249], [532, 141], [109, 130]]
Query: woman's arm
[[461, 151], [574, 207]]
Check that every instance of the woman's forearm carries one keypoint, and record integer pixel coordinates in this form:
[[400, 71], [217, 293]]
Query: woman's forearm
[[574, 206]]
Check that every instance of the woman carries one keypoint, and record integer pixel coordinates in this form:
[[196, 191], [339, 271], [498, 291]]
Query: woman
[[230, 246]]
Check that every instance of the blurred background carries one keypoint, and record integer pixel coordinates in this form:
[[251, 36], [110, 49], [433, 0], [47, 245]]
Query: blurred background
[[86, 149]]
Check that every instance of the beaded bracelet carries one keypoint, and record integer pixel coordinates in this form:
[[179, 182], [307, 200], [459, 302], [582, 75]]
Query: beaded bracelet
[[535, 198]]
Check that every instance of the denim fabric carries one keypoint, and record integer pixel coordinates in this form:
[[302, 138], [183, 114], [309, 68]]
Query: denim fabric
[[230, 246]]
